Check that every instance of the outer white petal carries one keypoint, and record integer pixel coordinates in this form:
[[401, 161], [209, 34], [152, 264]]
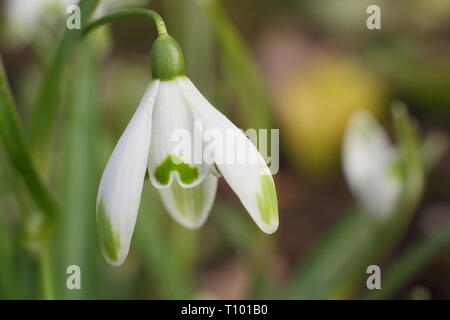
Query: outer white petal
[[173, 128], [251, 179], [190, 206], [120, 188], [368, 161]]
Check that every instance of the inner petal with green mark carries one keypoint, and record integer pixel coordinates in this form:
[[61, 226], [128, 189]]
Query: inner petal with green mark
[[187, 173], [267, 200], [188, 200], [108, 238]]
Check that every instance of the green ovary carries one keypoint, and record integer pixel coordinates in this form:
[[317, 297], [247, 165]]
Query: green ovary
[[109, 240], [187, 173], [267, 199]]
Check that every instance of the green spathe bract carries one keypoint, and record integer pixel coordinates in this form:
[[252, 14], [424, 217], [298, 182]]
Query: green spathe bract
[[267, 199], [166, 59], [187, 173], [108, 238]]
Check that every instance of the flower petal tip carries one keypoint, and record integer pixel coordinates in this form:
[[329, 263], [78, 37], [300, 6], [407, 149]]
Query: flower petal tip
[[270, 228], [189, 224], [109, 239], [267, 202], [113, 263]]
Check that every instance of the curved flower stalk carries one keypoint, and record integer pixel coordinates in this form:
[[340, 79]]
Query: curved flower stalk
[[187, 187], [370, 165]]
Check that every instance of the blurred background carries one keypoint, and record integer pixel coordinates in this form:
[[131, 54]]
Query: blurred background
[[301, 66]]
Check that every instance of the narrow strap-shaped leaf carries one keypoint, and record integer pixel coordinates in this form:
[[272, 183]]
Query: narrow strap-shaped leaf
[[8, 288], [43, 121], [80, 151], [18, 153], [240, 70], [337, 263], [413, 170], [410, 263]]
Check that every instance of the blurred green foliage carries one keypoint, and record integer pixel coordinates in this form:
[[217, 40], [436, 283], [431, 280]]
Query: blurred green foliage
[[52, 154]]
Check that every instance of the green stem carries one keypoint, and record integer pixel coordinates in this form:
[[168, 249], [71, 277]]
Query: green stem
[[126, 13], [45, 266]]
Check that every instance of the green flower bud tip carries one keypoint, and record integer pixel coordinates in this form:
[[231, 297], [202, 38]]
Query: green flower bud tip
[[166, 59]]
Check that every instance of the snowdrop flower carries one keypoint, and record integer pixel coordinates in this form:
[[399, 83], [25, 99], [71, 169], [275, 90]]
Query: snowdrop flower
[[370, 163], [187, 189]]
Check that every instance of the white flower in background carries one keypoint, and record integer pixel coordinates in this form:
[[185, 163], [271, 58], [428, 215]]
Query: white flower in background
[[370, 165], [172, 102], [26, 19]]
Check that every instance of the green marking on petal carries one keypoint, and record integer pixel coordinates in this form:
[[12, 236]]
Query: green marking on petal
[[109, 240], [267, 199], [188, 199], [179, 197], [187, 173]]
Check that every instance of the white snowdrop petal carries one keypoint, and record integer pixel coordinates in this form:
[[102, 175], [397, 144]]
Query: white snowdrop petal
[[120, 188], [173, 151], [368, 163], [249, 177], [190, 206]]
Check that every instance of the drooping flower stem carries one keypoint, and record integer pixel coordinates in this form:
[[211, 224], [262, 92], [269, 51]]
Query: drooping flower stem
[[126, 13], [166, 58]]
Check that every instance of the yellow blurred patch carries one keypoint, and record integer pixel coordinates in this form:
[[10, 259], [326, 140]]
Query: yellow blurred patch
[[313, 106]]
